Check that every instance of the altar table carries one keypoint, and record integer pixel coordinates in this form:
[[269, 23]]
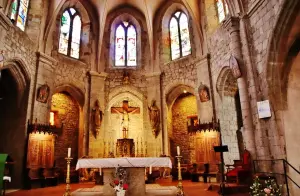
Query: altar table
[[135, 169]]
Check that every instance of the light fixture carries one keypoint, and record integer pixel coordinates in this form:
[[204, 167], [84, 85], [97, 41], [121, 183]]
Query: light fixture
[[184, 91]]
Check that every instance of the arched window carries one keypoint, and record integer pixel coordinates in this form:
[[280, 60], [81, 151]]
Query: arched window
[[19, 11], [179, 36], [70, 33], [125, 45], [222, 8]]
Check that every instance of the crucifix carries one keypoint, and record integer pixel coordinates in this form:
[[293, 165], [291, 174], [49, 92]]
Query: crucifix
[[125, 110]]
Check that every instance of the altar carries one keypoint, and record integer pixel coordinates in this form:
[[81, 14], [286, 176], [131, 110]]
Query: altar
[[135, 167]]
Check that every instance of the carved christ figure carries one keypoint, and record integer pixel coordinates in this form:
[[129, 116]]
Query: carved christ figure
[[154, 118], [125, 110]]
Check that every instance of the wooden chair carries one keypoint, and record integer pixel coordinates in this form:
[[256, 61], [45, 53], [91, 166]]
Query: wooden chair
[[50, 177], [240, 171]]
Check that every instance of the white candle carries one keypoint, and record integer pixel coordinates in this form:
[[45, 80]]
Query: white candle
[[178, 150], [69, 152], [100, 171], [150, 171]]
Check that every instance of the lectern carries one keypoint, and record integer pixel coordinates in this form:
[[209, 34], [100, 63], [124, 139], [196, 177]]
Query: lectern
[[221, 149]]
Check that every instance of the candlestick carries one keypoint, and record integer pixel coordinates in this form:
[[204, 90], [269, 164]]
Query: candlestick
[[69, 152], [100, 171], [178, 150], [150, 170], [68, 188], [179, 187]]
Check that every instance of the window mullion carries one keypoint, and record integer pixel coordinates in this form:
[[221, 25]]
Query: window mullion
[[180, 46], [125, 46], [70, 36]]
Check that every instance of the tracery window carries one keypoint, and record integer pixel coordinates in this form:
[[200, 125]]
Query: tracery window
[[70, 33], [125, 45], [179, 36], [19, 11], [222, 8]]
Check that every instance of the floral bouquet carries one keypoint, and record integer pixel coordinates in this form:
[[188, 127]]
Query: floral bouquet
[[119, 182], [270, 187]]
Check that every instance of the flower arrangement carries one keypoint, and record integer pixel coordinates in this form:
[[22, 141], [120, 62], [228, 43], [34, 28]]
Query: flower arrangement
[[270, 187], [119, 182]]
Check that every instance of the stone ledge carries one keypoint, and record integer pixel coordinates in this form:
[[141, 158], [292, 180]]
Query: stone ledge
[[4, 21]]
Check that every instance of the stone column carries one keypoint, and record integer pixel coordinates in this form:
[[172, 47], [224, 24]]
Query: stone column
[[97, 92], [154, 93], [232, 25], [45, 75]]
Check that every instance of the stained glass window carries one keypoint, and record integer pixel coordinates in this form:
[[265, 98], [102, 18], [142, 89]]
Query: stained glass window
[[125, 45], [19, 11], [179, 35], [70, 33], [222, 8]]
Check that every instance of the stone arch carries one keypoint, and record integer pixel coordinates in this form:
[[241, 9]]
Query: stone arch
[[285, 33], [176, 92], [226, 84], [74, 91], [138, 20], [88, 42], [14, 92], [161, 31], [21, 74], [229, 113]]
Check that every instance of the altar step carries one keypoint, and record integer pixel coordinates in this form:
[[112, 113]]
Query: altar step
[[151, 190], [230, 189]]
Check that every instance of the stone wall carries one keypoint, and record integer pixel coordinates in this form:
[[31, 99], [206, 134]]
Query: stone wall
[[183, 107], [67, 114]]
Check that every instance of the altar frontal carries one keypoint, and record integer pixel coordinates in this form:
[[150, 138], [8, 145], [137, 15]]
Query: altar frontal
[[135, 167]]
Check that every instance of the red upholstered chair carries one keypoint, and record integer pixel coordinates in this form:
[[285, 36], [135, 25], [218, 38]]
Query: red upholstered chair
[[240, 171]]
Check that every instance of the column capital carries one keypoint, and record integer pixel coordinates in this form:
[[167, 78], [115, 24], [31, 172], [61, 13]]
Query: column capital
[[97, 74], [231, 24]]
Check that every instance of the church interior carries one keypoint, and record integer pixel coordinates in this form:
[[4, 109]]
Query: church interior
[[199, 96]]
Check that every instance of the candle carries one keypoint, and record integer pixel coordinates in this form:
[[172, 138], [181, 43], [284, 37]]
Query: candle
[[69, 152], [178, 150], [150, 170], [100, 171]]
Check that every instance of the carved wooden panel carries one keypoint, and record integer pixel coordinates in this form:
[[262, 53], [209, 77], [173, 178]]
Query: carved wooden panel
[[205, 141]]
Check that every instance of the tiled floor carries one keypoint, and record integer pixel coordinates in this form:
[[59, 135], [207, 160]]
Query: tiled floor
[[190, 189]]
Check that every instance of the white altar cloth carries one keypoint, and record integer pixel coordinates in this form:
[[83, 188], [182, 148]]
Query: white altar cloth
[[124, 162]]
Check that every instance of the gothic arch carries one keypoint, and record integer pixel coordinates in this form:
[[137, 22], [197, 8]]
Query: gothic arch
[[175, 92], [284, 35], [161, 31], [226, 83], [74, 91], [113, 19], [89, 29]]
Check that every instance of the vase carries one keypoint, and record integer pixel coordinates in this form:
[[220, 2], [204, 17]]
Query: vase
[[121, 193]]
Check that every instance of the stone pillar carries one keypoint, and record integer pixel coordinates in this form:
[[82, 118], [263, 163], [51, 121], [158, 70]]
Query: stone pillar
[[45, 75], [232, 25], [154, 93], [97, 92]]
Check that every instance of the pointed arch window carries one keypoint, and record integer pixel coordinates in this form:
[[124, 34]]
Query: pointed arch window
[[70, 33], [222, 9], [125, 45], [19, 11], [179, 36]]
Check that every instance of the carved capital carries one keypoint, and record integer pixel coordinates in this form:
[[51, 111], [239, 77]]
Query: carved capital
[[231, 24]]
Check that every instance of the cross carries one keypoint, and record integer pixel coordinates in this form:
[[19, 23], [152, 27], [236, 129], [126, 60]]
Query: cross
[[125, 110]]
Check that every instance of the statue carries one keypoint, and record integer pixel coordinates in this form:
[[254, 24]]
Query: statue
[[235, 68], [43, 93], [97, 117], [154, 118]]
